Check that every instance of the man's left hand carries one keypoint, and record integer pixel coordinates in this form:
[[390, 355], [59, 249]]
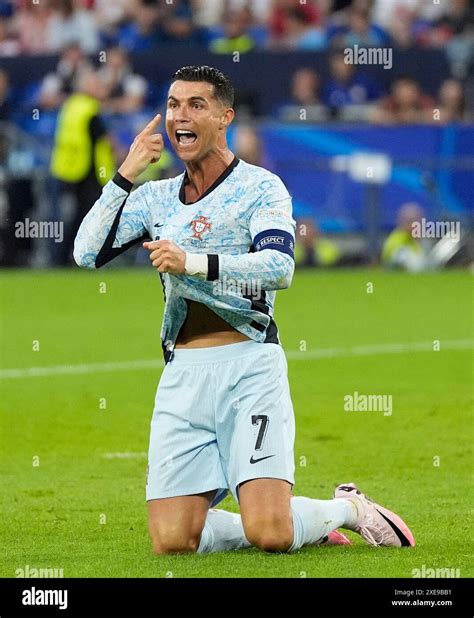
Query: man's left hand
[[166, 256]]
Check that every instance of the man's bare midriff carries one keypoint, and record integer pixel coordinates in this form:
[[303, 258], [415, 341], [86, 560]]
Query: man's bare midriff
[[203, 328]]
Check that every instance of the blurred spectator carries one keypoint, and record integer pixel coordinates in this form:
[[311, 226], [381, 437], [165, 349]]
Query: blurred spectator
[[451, 102], [71, 24], [125, 91], [82, 160], [248, 145], [430, 24], [236, 37], [4, 96], [142, 31], [31, 25], [109, 16], [346, 86], [402, 29], [138, 25], [18, 198], [6, 8], [305, 88], [210, 13], [301, 34], [305, 95], [57, 86], [179, 25], [413, 247], [401, 249], [405, 105], [359, 31], [9, 45], [311, 248], [260, 8], [458, 17], [278, 19], [458, 27], [387, 13]]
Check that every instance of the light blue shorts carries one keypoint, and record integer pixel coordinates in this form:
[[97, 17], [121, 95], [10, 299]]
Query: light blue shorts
[[223, 415]]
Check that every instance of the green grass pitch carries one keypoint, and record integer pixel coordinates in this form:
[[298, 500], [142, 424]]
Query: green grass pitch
[[70, 502]]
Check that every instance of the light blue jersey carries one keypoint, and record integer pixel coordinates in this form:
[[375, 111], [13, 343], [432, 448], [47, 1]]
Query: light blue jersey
[[243, 223]]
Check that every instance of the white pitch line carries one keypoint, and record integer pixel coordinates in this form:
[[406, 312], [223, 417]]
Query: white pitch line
[[382, 348], [125, 455], [38, 372], [138, 365]]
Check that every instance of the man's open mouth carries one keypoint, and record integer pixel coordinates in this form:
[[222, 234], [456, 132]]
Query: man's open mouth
[[185, 137]]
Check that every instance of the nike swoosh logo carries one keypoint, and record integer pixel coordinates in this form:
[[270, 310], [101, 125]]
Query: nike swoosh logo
[[159, 224], [403, 539], [252, 460]]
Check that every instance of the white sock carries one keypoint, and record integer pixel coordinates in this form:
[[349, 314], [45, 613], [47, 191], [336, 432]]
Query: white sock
[[314, 519], [222, 531]]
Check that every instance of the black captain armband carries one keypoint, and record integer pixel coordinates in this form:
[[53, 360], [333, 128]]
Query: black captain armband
[[280, 240], [207, 267]]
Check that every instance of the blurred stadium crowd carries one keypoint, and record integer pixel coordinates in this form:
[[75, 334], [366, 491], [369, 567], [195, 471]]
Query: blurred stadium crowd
[[47, 26], [81, 29], [96, 46]]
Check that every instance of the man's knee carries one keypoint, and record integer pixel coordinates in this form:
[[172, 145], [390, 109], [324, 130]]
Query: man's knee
[[175, 524], [173, 541], [272, 533], [266, 513]]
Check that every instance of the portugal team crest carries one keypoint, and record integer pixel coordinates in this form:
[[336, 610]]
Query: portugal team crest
[[200, 225]]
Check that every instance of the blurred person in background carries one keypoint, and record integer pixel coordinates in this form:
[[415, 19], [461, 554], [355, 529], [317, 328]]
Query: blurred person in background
[[457, 17], [456, 31], [71, 24], [260, 8], [109, 17], [451, 102], [17, 201], [388, 13], [301, 34], [31, 23], [403, 28], [312, 248], [59, 85], [401, 250], [278, 19], [141, 31], [248, 146], [236, 37], [406, 104], [304, 95], [179, 26], [9, 44], [347, 86], [5, 92], [125, 90], [359, 31], [210, 13], [82, 160], [305, 87], [17, 196]]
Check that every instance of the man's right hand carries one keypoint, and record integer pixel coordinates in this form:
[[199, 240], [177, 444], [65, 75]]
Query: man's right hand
[[145, 149]]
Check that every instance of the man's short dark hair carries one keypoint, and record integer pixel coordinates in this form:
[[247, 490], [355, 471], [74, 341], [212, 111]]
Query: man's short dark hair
[[223, 89]]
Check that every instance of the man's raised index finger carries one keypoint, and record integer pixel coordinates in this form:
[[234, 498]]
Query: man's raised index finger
[[151, 126]]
